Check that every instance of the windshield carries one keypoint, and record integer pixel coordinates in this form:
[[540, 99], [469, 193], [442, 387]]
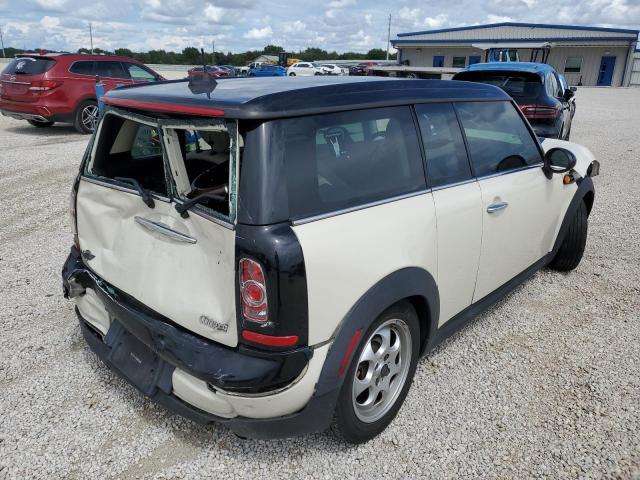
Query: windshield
[[28, 66]]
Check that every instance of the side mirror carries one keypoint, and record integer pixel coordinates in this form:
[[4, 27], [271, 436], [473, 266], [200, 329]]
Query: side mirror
[[558, 160], [573, 89], [568, 93]]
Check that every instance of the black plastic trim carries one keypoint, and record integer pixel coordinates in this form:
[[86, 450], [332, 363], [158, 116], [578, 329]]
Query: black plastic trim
[[278, 250], [241, 370]]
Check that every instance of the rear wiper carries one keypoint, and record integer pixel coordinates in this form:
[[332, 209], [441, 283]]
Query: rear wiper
[[146, 196], [182, 208]]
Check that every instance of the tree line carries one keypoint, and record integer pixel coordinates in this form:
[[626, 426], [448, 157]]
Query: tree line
[[193, 56]]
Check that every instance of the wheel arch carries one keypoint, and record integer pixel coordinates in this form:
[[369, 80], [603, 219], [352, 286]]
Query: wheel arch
[[413, 284], [586, 194]]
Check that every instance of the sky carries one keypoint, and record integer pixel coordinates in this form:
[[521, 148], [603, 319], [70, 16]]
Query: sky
[[240, 25]]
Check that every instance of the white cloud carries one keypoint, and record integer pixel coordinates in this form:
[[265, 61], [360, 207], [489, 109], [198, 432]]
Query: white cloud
[[259, 33], [341, 3], [49, 23], [294, 27]]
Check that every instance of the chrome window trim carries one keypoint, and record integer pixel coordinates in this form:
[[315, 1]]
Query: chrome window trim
[[454, 184], [198, 210], [514, 170], [116, 186], [355, 208], [15, 83]]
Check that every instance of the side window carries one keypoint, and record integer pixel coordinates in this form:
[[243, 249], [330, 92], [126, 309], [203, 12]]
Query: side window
[[342, 160], [552, 85], [497, 137], [110, 69], [447, 160], [136, 72], [82, 68], [573, 65], [146, 143]]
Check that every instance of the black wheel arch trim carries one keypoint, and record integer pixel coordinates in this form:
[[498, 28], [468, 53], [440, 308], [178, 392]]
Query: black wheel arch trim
[[584, 193]]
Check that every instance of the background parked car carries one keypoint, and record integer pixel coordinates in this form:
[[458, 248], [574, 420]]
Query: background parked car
[[305, 69], [361, 68], [231, 70], [333, 69], [44, 89], [212, 71], [542, 93], [267, 70]]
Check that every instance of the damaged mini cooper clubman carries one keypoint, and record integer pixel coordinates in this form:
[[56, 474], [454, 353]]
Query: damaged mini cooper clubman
[[277, 255]]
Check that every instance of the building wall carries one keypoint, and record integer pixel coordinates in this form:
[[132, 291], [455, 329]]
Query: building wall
[[515, 32], [635, 71], [588, 76]]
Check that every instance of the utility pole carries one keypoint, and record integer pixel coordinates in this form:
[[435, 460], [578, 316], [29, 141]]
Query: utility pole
[[388, 36], [91, 37], [213, 52], [2, 42]]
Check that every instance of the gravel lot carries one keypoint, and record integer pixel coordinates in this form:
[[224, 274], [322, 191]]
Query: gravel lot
[[545, 384]]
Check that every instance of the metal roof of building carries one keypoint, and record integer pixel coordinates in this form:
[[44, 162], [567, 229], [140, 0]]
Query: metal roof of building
[[511, 66], [263, 98]]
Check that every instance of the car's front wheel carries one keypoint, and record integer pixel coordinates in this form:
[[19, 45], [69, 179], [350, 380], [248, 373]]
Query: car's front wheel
[[292, 74], [572, 247], [86, 117], [40, 124], [379, 376]]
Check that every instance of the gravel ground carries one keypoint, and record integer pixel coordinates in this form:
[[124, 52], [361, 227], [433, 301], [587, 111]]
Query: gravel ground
[[545, 384]]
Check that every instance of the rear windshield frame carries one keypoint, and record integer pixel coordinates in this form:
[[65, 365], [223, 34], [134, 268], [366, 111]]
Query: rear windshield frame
[[161, 124]]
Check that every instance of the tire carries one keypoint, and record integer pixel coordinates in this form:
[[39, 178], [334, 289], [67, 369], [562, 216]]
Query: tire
[[572, 247], [356, 422], [292, 74], [86, 117], [38, 124]]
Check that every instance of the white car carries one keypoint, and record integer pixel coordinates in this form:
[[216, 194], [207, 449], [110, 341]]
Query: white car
[[277, 258], [333, 69], [305, 69]]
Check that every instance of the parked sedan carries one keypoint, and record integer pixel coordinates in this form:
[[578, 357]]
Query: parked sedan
[[333, 69], [305, 69], [212, 71], [361, 68], [267, 70], [542, 93]]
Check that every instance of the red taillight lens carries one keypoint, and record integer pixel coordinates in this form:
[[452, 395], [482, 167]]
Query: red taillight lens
[[253, 291], [539, 111], [44, 85]]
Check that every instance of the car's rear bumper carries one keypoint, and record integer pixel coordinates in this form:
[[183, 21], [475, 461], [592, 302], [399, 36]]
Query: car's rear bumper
[[33, 111], [161, 349]]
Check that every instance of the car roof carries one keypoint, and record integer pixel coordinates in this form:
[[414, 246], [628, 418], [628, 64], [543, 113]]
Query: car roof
[[529, 67], [77, 56], [263, 98]]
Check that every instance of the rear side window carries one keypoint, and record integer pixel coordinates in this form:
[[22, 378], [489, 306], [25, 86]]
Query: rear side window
[[497, 137], [343, 160], [446, 154], [82, 68], [136, 72], [110, 69], [28, 66], [126, 150]]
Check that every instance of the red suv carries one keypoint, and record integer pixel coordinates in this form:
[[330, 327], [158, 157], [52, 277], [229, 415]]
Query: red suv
[[44, 89]]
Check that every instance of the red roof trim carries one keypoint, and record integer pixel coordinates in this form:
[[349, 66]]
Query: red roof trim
[[163, 107]]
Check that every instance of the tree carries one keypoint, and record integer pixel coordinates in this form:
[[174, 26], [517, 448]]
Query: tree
[[191, 55], [272, 50]]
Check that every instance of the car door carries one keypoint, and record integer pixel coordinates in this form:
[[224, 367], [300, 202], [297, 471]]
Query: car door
[[458, 205], [305, 69], [520, 206]]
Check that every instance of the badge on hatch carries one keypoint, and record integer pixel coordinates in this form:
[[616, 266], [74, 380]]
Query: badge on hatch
[[209, 322]]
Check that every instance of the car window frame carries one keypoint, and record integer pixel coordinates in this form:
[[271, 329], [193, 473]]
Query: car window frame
[[527, 125]]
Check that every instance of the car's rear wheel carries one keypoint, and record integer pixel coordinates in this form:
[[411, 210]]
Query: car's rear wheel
[[379, 376], [86, 116], [572, 248], [292, 74], [40, 124]]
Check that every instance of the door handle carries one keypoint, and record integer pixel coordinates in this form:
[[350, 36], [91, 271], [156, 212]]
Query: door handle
[[495, 207], [163, 229]]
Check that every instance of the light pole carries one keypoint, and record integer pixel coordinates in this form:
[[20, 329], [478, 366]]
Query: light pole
[[388, 36], [2, 42], [91, 37]]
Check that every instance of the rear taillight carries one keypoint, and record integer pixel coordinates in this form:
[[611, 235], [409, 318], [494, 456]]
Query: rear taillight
[[44, 85], [539, 111], [253, 291]]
